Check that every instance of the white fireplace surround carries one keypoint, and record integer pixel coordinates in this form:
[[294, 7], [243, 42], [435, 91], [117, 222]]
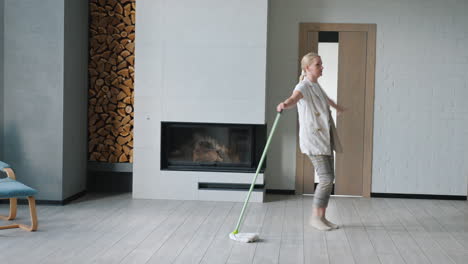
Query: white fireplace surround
[[196, 64]]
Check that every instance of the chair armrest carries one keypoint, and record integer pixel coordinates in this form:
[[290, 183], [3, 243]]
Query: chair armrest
[[7, 169], [10, 173]]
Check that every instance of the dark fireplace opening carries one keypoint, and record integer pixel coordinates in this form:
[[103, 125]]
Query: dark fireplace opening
[[211, 146]]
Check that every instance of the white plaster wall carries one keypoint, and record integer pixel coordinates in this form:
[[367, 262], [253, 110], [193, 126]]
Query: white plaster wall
[[420, 126], [196, 61], [329, 53]]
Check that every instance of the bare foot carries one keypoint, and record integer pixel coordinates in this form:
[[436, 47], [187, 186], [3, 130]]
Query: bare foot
[[317, 223], [330, 224]]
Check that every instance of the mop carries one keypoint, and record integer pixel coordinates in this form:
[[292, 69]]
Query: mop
[[252, 237]]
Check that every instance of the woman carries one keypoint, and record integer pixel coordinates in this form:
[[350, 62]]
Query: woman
[[317, 133]]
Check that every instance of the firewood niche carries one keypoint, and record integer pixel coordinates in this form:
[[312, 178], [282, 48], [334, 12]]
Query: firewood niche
[[111, 79]]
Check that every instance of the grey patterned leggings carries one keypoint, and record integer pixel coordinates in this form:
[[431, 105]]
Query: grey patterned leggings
[[324, 167]]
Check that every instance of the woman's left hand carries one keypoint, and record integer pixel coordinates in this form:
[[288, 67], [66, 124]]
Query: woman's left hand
[[340, 109]]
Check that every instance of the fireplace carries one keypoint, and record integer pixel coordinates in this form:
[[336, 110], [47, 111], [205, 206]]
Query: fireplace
[[211, 146]]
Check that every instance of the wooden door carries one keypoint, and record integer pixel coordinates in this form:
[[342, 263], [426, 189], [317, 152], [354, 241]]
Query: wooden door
[[356, 93], [350, 125]]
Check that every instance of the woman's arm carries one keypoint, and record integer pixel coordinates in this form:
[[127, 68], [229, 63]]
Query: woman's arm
[[290, 102], [338, 108]]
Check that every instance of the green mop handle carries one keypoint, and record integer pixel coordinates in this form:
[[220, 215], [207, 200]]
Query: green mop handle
[[256, 173]]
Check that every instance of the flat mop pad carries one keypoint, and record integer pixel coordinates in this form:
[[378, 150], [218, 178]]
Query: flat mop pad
[[244, 237], [252, 237]]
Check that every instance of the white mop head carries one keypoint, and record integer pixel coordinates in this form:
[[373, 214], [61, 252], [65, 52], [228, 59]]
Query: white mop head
[[244, 237]]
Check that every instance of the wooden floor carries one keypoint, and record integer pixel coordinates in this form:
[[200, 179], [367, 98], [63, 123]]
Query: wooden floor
[[118, 229]]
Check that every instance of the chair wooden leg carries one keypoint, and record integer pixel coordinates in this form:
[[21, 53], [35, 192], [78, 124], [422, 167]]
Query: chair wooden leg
[[12, 215], [13, 209], [32, 210], [9, 226]]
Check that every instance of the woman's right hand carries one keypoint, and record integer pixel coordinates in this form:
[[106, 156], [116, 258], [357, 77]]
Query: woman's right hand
[[281, 106]]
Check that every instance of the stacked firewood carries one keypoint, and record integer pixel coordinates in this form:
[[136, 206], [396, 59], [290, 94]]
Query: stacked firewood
[[111, 79]]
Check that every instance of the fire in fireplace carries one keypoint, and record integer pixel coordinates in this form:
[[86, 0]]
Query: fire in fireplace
[[211, 146]]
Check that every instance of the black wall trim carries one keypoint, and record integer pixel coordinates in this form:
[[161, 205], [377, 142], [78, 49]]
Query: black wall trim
[[74, 197], [418, 196], [110, 167], [109, 181], [48, 202], [109, 177], [279, 191], [228, 186], [328, 36]]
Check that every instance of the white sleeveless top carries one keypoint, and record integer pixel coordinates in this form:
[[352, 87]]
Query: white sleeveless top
[[316, 124]]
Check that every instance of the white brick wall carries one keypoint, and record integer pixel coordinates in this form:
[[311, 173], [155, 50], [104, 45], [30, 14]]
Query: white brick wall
[[421, 114]]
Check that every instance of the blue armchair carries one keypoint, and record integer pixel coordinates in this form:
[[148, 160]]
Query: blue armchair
[[12, 189]]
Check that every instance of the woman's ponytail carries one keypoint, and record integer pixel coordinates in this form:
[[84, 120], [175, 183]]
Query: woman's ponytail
[[302, 76]]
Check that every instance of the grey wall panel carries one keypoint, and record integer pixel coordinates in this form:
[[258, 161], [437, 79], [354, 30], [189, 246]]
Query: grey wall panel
[[2, 4], [33, 93], [75, 97]]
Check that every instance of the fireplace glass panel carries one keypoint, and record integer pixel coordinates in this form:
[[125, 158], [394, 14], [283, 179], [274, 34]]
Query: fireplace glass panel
[[194, 146]]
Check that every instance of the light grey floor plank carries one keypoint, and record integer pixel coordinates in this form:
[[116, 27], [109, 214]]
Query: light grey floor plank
[[381, 241], [267, 251], [244, 252], [383, 245], [315, 241], [127, 225], [447, 217], [434, 231], [444, 222], [100, 236], [389, 220], [196, 248], [143, 252], [158, 211], [409, 248], [462, 217], [45, 211], [361, 247], [61, 230], [11, 238], [220, 248], [338, 248], [414, 219], [176, 243], [292, 239], [69, 245], [118, 229]]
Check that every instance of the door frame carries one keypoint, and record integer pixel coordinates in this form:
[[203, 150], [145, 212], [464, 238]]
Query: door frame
[[304, 47]]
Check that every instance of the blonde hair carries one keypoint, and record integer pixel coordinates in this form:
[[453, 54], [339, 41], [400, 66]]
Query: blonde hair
[[306, 61]]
